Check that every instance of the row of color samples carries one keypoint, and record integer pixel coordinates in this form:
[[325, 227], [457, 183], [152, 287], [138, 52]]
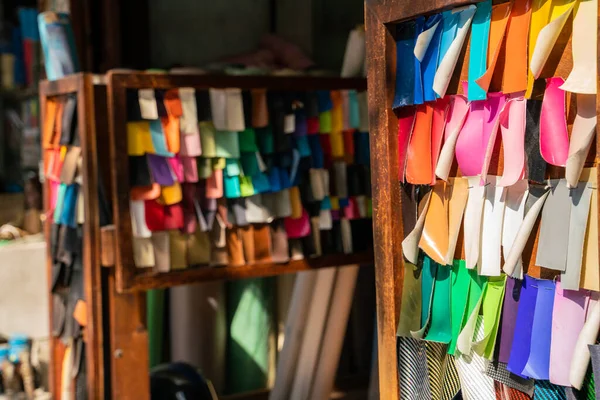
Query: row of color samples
[[211, 163], [509, 46], [531, 134]]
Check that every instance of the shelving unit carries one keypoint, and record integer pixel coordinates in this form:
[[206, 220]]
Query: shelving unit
[[114, 287], [381, 17]]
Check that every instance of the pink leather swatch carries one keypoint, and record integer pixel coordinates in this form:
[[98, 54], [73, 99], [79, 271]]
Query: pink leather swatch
[[297, 227], [214, 185], [406, 121], [190, 169], [513, 139], [469, 149], [438, 126], [567, 321], [554, 137], [494, 112], [455, 118], [176, 167]]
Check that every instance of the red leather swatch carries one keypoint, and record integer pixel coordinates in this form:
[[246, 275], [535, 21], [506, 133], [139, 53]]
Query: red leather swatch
[[418, 159]]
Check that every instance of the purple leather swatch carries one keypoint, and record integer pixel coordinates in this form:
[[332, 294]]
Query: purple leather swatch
[[521, 343], [510, 308], [160, 170]]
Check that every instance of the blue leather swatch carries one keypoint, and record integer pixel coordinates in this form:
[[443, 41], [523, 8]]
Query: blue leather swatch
[[70, 206], [480, 33], [418, 91], [160, 170], [158, 138], [294, 167], [450, 27], [301, 144], [318, 157], [261, 183], [326, 203], [521, 344], [344, 202], [275, 179], [60, 201], [284, 177], [324, 100], [301, 128], [429, 63], [538, 364], [405, 66]]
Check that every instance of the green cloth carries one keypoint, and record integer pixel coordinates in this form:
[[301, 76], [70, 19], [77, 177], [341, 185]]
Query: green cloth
[[491, 307], [246, 187], [461, 283], [250, 322], [440, 328], [155, 308], [325, 122]]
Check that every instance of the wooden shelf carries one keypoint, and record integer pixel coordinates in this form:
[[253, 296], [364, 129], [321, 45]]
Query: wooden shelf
[[152, 280]]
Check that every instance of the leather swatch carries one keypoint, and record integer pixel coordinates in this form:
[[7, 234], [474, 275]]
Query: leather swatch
[[161, 243], [461, 284], [457, 201], [279, 240], [139, 172], [438, 127], [491, 229], [214, 185], [521, 343], [69, 168], [491, 309], [235, 248], [139, 139], [590, 273], [582, 135], [189, 111], [480, 37], [410, 244], [469, 324], [429, 272], [470, 146], [160, 169], [428, 53], [418, 161], [554, 136], [418, 80], [405, 75], [147, 103], [143, 252], [513, 138], [177, 249], [553, 240], [514, 78], [440, 328], [410, 312], [581, 354], [457, 114], [198, 248], [298, 227], [139, 227], [207, 138], [406, 120], [514, 198], [510, 308], [434, 239], [472, 221], [159, 141], [536, 165], [262, 243]]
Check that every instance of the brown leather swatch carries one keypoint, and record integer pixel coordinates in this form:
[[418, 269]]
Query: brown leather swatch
[[247, 233], [178, 249], [260, 113], [198, 248], [281, 251], [262, 243], [235, 249]]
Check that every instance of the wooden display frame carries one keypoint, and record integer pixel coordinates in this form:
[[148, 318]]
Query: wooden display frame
[[387, 214], [128, 277]]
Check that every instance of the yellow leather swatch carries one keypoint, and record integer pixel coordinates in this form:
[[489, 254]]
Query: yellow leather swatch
[[337, 112], [171, 194], [434, 240], [177, 249], [539, 18], [296, 202], [49, 122], [514, 78], [139, 138], [337, 143]]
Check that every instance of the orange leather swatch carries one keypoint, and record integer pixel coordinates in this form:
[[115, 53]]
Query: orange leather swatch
[[170, 126], [434, 240], [151, 192], [262, 243], [418, 157], [296, 202], [57, 124], [173, 103], [80, 313], [515, 68], [500, 15], [235, 250], [247, 233], [260, 113], [337, 112], [49, 121]]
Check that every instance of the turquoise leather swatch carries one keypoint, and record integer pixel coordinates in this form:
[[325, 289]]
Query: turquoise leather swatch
[[480, 33]]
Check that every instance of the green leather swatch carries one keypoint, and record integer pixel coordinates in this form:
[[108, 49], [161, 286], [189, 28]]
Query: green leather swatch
[[461, 284], [410, 307], [440, 328], [204, 166], [491, 306], [325, 122], [246, 186], [427, 289], [247, 140]]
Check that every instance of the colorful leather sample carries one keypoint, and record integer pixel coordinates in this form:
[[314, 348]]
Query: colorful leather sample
[[427, 49], [521, 343], [581, 354], [472, 221], [434, 239], [480, 37], [456, 116], [536, 165], [553, 240], [406, 120], [491, 229], [418, 162], [457, 201], [515, 198], [584, 128], [590, 274], [554, 136], [514, 78], [491, 309], [405, 75]]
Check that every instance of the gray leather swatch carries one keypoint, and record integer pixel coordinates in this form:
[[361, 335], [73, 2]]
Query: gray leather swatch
[[554, 231]]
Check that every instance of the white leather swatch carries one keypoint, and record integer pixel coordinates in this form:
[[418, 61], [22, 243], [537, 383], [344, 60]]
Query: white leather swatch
[[514, 199], [346, 235], [410, 244], [325, 220], [472, 222], [553, 240], [317, 184], [582, 78], [256, 212], [139, 227], [580, 209], [188, 123], [514, 255], [361, 204], [289, 123], [546, 40], [448, 63], [584, 128], [143, 252], [234, 110], [454, 123], [218, 108], [354, 56], [581, 354], [147, 102], [491, 232], [465, 337]]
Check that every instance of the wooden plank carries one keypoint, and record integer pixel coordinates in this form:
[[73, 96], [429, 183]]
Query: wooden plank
[[388, 11], [387, 218]]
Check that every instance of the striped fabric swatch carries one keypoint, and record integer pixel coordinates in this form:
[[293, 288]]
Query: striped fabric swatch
[[544, 390], [504, 392], [475, 384]]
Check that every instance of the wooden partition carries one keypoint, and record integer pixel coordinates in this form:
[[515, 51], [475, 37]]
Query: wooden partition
[[381, 17]]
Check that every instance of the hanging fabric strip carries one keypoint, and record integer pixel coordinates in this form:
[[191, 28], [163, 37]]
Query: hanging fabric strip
[[461, 284], [443, 376], [434, 240], [567, 321], [457, 201], [405, 68], [515, 198], [427, 289], [580, 209], [590, 273], [418, 88], [447, 64], [498, 372], [544, 390], [539, 18], [512, 295], [475, 384], [538, 363], [410, 244], [472, 221], [536, 165], [406, 121], [553, 240], [468, 329], [521, 343], [438, 126], [480, 33], [456, 116], [440, 328], [581, 353], [499, 21], [491, 306], [514, 78], [582, 78], [534, 203], [449, 29], [554, 136], [469, 146], [429, 59], [496, 111], [491, 230], [584, 129], [410, 307], [418, 158], [513, 138], [412, 369], [560, 12]]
